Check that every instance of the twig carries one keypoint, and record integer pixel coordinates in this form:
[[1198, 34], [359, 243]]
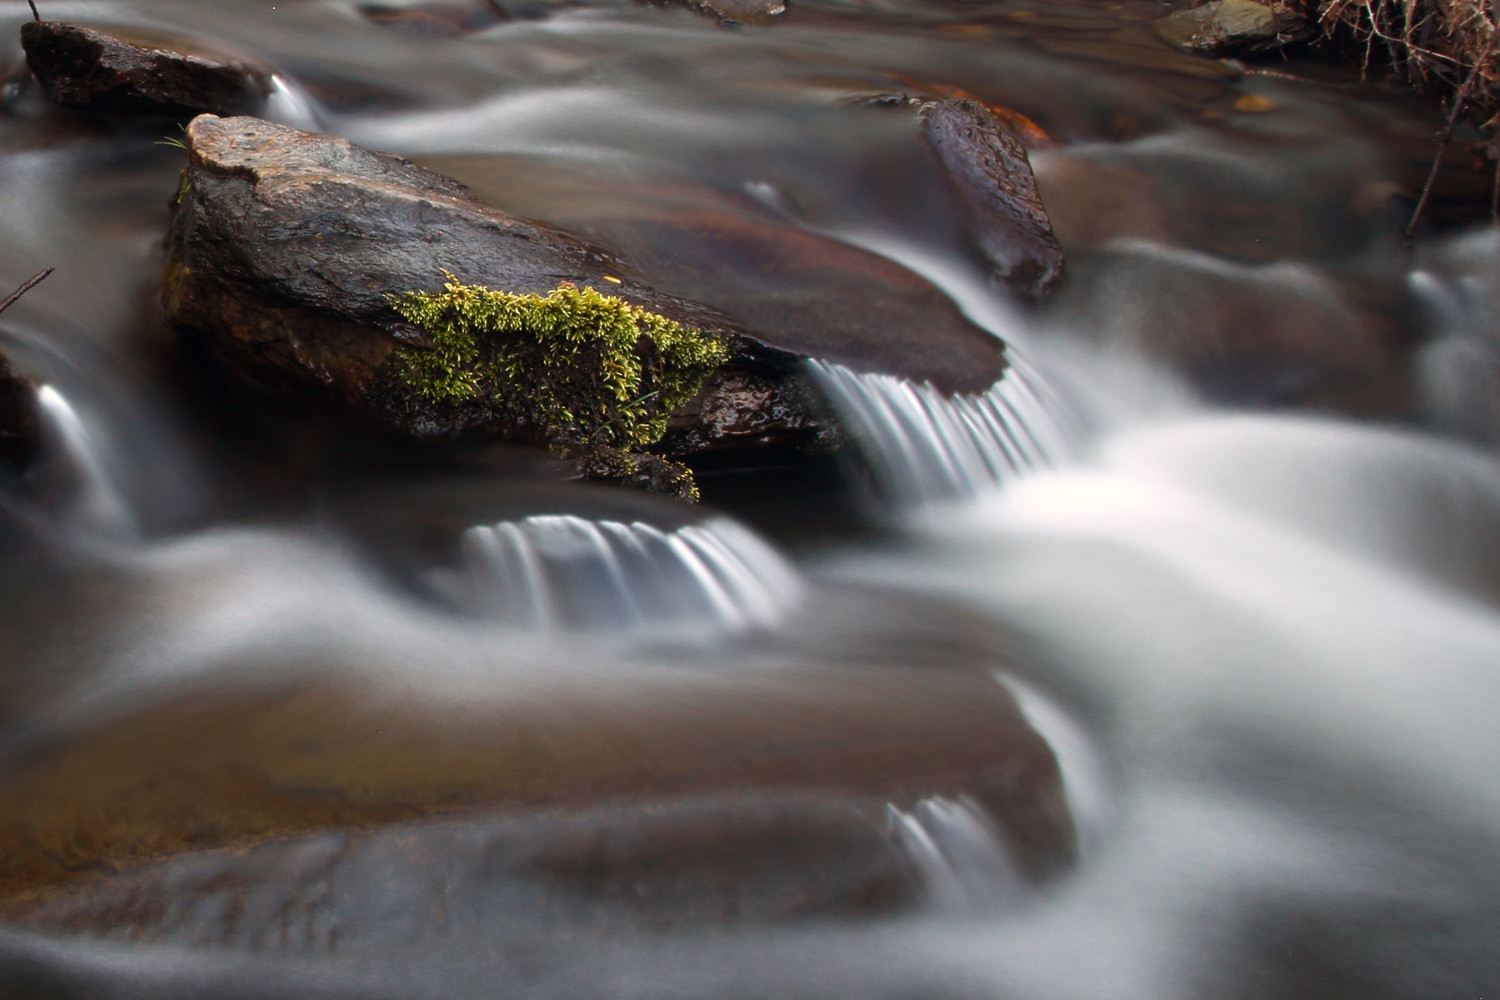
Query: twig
[[26, 286], [32, 5], [1495, 196], [1437, 161]]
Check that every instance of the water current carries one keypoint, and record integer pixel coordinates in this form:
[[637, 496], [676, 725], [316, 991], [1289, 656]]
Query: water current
[[288, 711]]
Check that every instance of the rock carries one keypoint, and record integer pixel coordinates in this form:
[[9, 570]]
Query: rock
[[82, 68], [20, 429], [756, 12], [675, 866], [1222, 27], [285, 247], [20, 436], [251, 763], [436, 20], [992, 176], [1258, 335]]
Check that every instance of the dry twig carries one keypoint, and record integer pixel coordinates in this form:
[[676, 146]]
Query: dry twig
[[26, 286]]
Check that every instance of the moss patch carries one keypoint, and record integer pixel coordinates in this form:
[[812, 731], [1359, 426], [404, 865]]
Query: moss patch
[[590, 374]]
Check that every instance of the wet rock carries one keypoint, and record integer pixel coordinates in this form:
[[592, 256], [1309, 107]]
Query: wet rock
[[285, 247], [20, 435], [1222, 27], [757, 12], [991, 174], [83, 68], [1260, 335], [249, 764], [436, 20], [674, 866]]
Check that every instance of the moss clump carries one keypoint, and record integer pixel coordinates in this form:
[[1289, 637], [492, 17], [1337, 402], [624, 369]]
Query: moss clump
[[588, 373]]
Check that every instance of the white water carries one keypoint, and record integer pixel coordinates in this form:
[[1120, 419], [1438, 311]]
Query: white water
[[1294, 625], [98, 508], [561, 572], [927, 447]]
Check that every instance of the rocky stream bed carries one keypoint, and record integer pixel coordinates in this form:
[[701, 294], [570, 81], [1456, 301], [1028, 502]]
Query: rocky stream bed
[[555, 498]]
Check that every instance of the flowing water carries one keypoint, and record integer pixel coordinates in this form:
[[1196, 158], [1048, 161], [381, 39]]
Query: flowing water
[[1226, 538]]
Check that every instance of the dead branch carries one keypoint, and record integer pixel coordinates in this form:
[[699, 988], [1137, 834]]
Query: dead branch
[[1437, 161], [26, 286]]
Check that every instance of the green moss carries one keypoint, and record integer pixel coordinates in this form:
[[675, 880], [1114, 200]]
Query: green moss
[[589, 372]]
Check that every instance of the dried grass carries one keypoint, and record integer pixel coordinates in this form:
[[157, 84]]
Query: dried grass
[[1447, 48]]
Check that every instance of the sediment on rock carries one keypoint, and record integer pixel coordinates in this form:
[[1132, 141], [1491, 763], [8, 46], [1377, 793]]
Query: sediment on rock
[[83, 68]]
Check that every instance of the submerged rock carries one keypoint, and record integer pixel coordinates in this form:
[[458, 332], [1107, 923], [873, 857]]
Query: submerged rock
[[436, 20], [992, 175], [286, 248], [83, 68], [1234, 26], [641, 756]]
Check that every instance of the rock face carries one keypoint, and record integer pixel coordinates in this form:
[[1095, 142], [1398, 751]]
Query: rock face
[[82, 68], [1233, 26], [285, 247], [990, 172]]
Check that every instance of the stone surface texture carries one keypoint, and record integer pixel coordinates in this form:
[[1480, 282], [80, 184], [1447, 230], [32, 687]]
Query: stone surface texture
[[992, 176], [83, 68]]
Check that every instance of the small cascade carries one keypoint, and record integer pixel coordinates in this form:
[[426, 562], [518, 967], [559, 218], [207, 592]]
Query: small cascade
[[928, 447], [559, 571], [289, 104], [97, 506], [957, 852]]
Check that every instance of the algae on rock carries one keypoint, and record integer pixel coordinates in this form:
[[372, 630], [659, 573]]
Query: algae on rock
[[591, 374]]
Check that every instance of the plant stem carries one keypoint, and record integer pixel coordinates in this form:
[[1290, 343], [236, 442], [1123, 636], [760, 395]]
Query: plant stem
[[32, 5]]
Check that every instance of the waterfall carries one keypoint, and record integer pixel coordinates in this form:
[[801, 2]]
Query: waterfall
[[97, 504], [957, 853], [559, 571], [928, 447]]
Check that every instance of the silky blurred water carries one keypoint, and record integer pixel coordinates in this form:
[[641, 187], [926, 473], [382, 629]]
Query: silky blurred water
[[1229, 531]]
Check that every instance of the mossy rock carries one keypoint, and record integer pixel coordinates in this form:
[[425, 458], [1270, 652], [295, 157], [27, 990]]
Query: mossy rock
[[589, 374]]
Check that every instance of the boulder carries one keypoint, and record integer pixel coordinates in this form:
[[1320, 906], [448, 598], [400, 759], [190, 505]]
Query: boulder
[[83, 68], [991, 174], [286, 247], [1227, 27]]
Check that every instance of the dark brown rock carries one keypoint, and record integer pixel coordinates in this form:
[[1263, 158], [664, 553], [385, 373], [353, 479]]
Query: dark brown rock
[[20, 436], [285, 246], [1225, 27], [83, 68], [991, 174]]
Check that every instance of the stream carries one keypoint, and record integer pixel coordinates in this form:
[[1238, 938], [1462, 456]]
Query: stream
[[1168, 668]]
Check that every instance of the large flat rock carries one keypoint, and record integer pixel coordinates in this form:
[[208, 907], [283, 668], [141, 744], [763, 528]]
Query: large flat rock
[[285, 247]]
